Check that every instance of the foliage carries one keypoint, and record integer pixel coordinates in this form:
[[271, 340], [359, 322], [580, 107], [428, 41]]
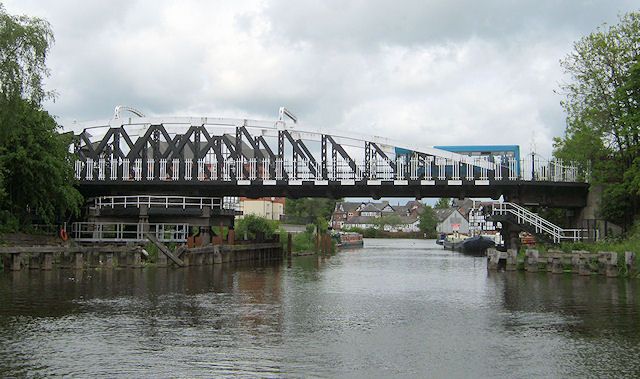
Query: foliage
[[24, 45], [307, 210], [391, 220], [603, 113], [252, 224], [443, 203], [428, 222], [38, 165], [36, 178]]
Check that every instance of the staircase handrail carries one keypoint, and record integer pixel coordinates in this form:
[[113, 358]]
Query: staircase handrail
[[538, 222]]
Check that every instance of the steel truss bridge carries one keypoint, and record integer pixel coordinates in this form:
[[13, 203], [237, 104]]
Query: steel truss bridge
[[208, 156]]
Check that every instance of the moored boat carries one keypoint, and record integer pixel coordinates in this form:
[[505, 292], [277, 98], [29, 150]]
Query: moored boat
[[476, 245], [349, 239]]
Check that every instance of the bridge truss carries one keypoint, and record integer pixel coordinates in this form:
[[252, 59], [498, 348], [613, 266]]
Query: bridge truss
[[240, 157]]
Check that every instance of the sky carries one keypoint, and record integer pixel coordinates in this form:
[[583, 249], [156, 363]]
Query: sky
[[432, 72]]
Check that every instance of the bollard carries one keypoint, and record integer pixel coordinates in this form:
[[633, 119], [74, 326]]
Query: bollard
[[531, 260], [512, 260]]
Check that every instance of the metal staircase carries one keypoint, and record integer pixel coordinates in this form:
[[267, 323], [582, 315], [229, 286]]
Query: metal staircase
[[530, 221]]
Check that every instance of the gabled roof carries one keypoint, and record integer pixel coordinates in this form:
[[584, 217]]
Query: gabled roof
[[442, 214], [369, 207], [361, 220]]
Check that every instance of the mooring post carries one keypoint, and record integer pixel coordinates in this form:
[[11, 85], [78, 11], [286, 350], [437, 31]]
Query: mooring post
[[630, 261], [289, 245]]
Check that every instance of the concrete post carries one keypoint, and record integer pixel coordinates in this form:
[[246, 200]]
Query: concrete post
[[16, 262], [583, 265], [531, 260], [512, 260], [217, 256], [602, 263], [612, 265], [630, 261], [47, 261], [556, 264], [493, 257], [135, 259], [78, 260], [550, 256], [94, 259]]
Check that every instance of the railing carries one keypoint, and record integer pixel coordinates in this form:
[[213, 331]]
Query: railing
[[231, 203], [128, 232], [540, 225], [400, 169]]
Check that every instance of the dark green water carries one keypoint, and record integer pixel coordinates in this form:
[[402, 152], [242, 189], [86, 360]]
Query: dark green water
[[393, 309]]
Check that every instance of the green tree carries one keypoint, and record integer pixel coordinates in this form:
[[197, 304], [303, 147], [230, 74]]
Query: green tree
[[34, 159], [252, 224], [306, 210], [391, 220], [602, 99], [443, 203], [428, 222]]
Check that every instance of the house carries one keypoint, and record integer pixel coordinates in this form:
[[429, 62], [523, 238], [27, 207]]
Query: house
[[365, 215], [271, 208], [451, 220]]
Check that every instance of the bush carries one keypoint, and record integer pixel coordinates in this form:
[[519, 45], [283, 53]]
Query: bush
[[252, 224]]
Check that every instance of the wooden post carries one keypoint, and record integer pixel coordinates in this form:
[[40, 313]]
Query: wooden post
[[16, 260], [289, 245]]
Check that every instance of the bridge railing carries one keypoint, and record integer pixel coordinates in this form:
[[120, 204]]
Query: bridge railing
[[128, 232], [184, 202], [401, 169], [540, 224]]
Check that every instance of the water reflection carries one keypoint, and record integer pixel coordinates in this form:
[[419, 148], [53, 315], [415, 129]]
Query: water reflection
[[394, 308]]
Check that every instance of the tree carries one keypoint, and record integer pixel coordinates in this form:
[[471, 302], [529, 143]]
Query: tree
[[35, 163], [391, 220], [252, 224], [428, 222], [443, 203], [306, 210], [602, 100]]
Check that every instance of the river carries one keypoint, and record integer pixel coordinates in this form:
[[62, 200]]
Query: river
[[396, 308]]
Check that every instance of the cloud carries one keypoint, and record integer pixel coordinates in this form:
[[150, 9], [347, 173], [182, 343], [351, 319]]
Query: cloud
[[429, 72]]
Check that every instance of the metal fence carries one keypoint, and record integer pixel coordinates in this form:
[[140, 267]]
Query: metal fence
[[128, 232]]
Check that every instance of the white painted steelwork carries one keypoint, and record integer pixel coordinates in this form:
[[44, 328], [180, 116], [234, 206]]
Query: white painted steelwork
[[128, 232], [540, 225]]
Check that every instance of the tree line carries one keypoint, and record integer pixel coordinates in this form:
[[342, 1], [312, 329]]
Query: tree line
[[36, 177]]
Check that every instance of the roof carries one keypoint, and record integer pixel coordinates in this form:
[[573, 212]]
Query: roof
[[370, 207], [442, 214], [361, 220], [348, 206]]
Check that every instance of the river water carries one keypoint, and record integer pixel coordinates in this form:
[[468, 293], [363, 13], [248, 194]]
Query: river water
[[396, 308]]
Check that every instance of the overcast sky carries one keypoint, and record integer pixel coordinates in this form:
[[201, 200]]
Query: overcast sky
[[426, 71]]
